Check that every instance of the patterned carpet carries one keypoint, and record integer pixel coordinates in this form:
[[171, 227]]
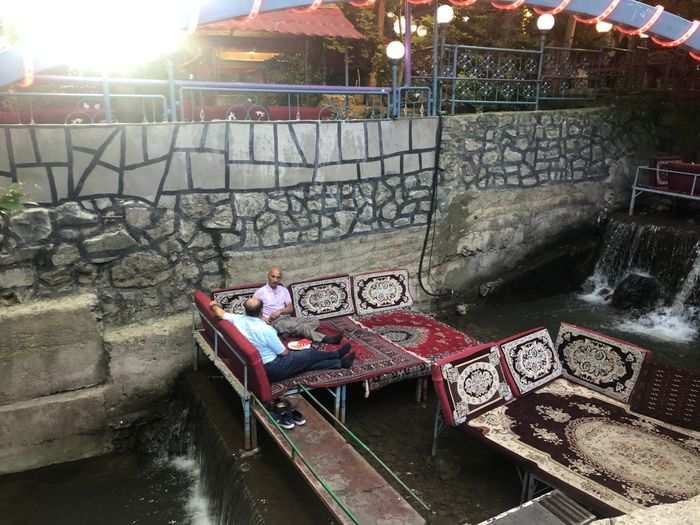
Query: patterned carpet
[[597, 446], [418, 333], [375, 356]]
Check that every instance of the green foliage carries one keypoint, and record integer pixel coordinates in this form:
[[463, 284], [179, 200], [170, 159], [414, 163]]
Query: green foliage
[[11, 199]]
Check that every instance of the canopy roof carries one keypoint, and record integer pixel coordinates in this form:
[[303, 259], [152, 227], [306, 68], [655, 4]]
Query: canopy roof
[[327, 21]]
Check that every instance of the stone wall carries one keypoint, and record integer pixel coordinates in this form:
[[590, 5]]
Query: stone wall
[[513, 183], [143, 214]]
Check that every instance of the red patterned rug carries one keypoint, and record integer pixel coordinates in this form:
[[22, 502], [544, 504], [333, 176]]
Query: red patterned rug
[[375, 357], [597, 446], [418, 333]]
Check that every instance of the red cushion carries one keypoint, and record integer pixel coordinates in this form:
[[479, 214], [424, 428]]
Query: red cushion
[[680, 183], [446, 390], [235, 350]]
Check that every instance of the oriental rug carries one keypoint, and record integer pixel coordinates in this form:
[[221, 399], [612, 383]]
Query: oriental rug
[[232, 299], [597, 446], [418, 333], [323, 298], [531, 360], [381, 291], [375, 356], [600, 362]]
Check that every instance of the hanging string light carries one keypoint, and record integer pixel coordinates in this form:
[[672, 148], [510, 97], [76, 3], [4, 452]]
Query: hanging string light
[[602, 16], [677, 42], [508, 7], [462, 3], [255, 9], [555, 11], [647, 25], [420, 2], [365, 3]]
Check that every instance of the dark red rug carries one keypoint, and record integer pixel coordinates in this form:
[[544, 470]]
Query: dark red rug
[[375, 357], [597, 446], [418, 333]]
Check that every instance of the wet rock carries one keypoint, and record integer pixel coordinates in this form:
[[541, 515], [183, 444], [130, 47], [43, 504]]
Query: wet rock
[[32, 225], [140, 270], [249, 204], [65, 254], [109, 241], [195, 206], [72, 214], [16, 277], [222, 219], [138, 216], [636, 291]]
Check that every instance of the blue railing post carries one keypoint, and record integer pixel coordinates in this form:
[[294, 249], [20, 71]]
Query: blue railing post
[[171, 90], [107, 101], [540, 67]]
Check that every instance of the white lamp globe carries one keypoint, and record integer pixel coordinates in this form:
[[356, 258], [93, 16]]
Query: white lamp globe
[[414, 28], [603, 27], [395, 50], [422, 31], [445, 14], [545, 22]]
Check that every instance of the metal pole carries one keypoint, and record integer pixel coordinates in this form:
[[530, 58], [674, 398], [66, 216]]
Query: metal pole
[[107, 100], [395, 105], [347, 68], [539, 71], [407, 46], [436, 103], [171, 90]]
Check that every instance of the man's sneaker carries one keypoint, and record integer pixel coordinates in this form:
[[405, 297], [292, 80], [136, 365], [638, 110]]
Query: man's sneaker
[[284, 420], [332, 339], [298, 418]]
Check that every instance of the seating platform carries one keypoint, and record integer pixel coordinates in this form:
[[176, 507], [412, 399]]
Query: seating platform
[[562, 413], [553, 508], [670, 178]]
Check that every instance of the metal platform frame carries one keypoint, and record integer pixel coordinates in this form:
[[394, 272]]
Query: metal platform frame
[[639, 188]]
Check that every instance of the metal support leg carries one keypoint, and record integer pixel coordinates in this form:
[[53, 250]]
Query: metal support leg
[[419, 389], [338, 401], [634, 198], [426, 386], [438, 425], [524, 484], [344, 403], [247, 425]]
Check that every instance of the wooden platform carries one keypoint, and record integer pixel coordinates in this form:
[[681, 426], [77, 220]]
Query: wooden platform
[[356, 483]]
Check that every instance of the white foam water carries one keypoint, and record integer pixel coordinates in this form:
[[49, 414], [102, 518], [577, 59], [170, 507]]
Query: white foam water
[[664, 323], [197, 505]]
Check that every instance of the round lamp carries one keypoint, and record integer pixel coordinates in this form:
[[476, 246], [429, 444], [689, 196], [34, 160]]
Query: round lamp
[[603, 27], [445, 14], [545, 22], [395, 50], [422, 31]]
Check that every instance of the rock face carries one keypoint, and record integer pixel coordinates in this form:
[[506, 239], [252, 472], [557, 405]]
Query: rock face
[[636, 291]]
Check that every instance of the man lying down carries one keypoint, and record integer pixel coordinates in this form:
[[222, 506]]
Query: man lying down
[[279, 362]]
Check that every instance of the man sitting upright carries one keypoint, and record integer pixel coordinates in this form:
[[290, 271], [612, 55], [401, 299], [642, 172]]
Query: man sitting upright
[[279, 362], [278, 310]]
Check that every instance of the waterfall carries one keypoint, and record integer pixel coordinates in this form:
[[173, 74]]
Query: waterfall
[[190, 439], [671, 255]]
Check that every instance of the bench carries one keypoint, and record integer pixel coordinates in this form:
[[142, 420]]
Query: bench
[[670, 178], [567, 414]]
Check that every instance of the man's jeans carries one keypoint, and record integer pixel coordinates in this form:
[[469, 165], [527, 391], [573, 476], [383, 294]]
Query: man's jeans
[[293, 363]]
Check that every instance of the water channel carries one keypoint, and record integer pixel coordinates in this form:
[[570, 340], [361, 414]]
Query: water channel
[[186, 469]]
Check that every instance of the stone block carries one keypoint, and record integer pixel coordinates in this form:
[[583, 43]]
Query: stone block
[[328, 142], [60, 180], [53, 429], [337, 173], [16, 277], [392, 166], [252, 176], [52, 144], [306, 136], [22, 146], [352, 140], [395, 135], [92, 137], [287, 150], [100, 180], [216, 136], [208, 171], [189, 136], [141, 270], [144, 181], [239, 141], [133, 138], [373, 143], [427, 160], [290, 176], [424, 133], [144, 360], [48, 347], [158, 137], [371, 170], [411, 163], [264, 142], [4, 154], [176, 179]]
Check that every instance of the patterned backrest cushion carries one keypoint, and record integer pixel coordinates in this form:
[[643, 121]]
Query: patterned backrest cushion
[[600, 362], [530, 360], [470, 382], [381, 291], [232, 299], [668, 394], [323, 298]]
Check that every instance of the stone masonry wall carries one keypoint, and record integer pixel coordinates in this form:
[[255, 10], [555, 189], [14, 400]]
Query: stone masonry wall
[[513, 183], [143, 214]]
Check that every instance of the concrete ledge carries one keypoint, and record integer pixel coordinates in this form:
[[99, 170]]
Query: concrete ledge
[[398, 249], [144, 360], [50, 346]]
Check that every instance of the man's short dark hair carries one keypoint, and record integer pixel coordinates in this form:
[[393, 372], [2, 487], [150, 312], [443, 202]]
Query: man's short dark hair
[[253, 308]]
